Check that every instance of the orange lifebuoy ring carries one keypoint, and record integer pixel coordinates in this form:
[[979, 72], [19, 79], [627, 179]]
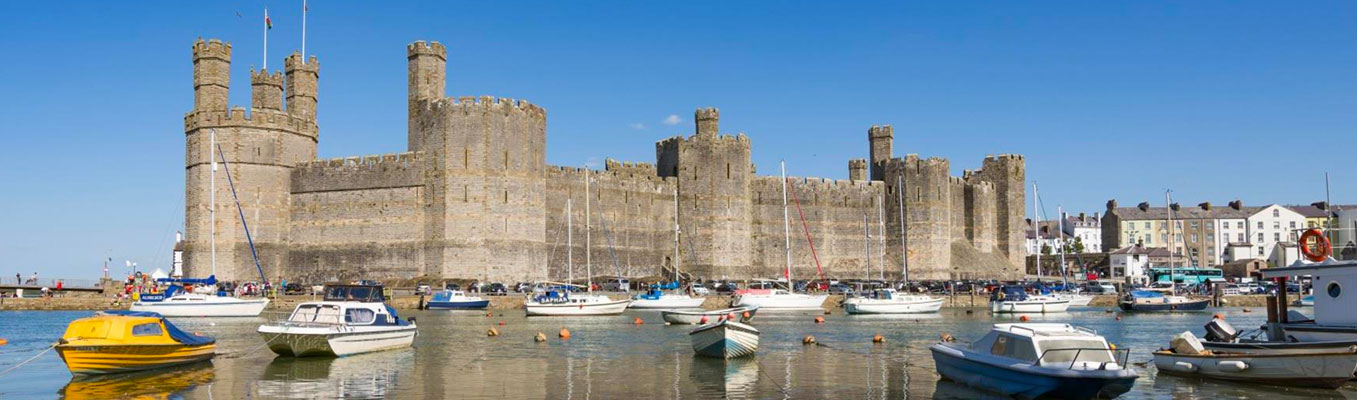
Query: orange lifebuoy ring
[[1321, 250]]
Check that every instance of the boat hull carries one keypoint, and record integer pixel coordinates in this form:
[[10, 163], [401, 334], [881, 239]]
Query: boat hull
[[457, 305], [1311, 332], [1331, 370], [792, 302], [725, 339], [218, 307], [612, 307], [294, 341], [667, 302], [1029, 306], [875, 306], [1077, 300], [953, 365], [1281, 347], [695, 317], [1192, 305], [106, 359]]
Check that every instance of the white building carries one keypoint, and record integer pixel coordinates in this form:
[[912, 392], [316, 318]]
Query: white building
[[1270, 226], [1131, 263], [1344, 236], [1085, 230]]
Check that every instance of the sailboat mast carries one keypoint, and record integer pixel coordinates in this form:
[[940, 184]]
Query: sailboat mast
[[676, 236], [1036, 233], [588, 224], [1168, 206], [904, 244], [569, 244], [212, 198], [867, 245], [881, 218], [786, 227], [1060, 226]]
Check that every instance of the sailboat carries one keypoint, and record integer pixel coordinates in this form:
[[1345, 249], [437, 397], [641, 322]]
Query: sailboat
[[1012, 299], [1154, 300], [1076, 300], [560, 301], [656, 298], [888, 301], [780, 299], [191, 304]]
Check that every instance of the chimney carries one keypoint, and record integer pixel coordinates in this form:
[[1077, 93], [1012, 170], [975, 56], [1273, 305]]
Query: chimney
[[1237, 205], [1144, 206], [178, 236], [1095, 217], [1206, 206], [1111, 204], [1174, 206], [1320, 205], [1081, 217]]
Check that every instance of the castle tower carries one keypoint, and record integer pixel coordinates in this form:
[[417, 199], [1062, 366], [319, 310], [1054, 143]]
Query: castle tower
[[879, 138], [714, 173], [266, 90], [1008, 175], [857, 169], [302, 81], [427, 80], [211, 74], [261, 148]]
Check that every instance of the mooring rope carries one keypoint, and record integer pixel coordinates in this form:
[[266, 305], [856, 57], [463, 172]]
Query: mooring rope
[[30, 359]]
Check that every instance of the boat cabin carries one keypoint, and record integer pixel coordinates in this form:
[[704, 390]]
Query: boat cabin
[[128, 327], [359, 293], [1009, 293], [449, 295], [347, 305], [1335, 285], [1049, 345]]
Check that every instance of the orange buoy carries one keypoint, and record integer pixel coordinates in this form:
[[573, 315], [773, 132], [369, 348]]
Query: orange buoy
[[501, 323], [703, 320], [1119, 317], [746, 315], [492, 332], [638, 321], [808, 340], [878, 339], [565, 333], [819, 320], [541, 337], [1218, 316], [4, 341], [1023, 318]]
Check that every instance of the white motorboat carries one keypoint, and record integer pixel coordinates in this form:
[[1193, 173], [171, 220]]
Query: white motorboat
[[780, 300], [1013, 299], [743, 314], [725, 339], [888, 301], [1036, 361], [656, 299], [203, 305], [1187, 357], [563, 303], [352, 319], [1333, 319]]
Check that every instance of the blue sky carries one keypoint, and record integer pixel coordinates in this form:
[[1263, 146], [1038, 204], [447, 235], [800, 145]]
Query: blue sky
[[1217, 100]]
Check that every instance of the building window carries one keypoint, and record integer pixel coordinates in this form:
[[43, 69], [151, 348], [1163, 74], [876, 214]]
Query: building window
[[1276, 236], [1194, 224], [1210, 237], [1240, 225], [1276, 225], [1276, 213], [1164, 237], [1241, 237], [1260, 237], [1147, 225], [1260, 224], [1293, 224], [1194, 238], [1260, 250]]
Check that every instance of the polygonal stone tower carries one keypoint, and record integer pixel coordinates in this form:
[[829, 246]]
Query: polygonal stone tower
[[428, 64], [879, 138], [714, 173], [857, 169], [1008, 173]]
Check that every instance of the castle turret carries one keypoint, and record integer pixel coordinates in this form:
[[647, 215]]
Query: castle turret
[[211, 74], [302, 77], [879, 139], [266, 89], [1008, 174], [427, 81], [857, 169], [708, 121]]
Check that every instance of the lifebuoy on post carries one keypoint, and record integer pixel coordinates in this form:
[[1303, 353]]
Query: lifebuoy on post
[[1321, 248]]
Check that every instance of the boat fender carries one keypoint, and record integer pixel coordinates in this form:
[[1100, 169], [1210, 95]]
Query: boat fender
[[808, 340], [878, 339], [501, 323], [746, 315], [730, 316], [947, 337], [703, 321], [1185, 366], [1232, 366], [1023, 318], [819, 320], [411, 319], [541, 337]]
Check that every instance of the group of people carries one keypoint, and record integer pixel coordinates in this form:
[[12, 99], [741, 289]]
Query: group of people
[[32, 280]]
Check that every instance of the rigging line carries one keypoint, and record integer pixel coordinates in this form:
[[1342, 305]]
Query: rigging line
[[30, 359], [810, 240], [603, 219], [240, 210]]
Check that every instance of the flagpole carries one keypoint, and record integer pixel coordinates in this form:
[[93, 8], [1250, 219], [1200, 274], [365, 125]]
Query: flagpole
[[304, 9], [266, 38]]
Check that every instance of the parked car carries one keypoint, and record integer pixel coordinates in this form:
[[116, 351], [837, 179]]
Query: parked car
[[699, 290], [452, 286], [523, 287], [226, 286], [1101, 288], [496, 289], [840, 288], [727, 287], [616, 285], [423, 289], [294, 288], [317, 289]]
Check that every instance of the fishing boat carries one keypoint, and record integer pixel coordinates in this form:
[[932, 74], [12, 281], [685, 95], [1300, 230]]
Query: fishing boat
[[1188, 357], [1037, 360], [1332, 319], [744, 314], [123, 341], [656, 297], [1014, 299], [455, 300], [782, 299], [888, 301], [564, 303], [186, 303], [351, 319], [1223, 337], [1154, 300], [725, 339]]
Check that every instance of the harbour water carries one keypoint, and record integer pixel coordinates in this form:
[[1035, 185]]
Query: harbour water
[[606, 358]]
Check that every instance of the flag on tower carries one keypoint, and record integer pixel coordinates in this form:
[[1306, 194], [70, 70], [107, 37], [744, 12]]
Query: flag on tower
[[268, 23]]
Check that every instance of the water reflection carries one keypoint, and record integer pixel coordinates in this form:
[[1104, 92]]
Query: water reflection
[[364, 376], [156, 384], [735, 378]]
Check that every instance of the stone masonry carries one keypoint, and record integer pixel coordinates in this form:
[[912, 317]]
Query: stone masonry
[[474, 198]]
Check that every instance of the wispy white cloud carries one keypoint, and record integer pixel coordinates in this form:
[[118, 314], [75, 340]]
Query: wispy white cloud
[[637, 126], [594, 162], [672, 119]]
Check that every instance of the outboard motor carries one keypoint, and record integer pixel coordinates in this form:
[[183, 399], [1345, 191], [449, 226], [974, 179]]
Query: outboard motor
[[1220, 331]]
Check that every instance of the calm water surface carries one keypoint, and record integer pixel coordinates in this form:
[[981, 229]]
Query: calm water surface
[[606, 358]]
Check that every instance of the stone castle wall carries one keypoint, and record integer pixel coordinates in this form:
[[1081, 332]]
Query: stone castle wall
[[474, 198]]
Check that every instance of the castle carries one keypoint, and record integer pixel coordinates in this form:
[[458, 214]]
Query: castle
[[474, 198]]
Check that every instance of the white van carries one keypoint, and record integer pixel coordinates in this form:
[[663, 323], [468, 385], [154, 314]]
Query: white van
[[616, 285]]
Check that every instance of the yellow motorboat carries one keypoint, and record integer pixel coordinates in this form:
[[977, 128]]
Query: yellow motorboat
[[122, 341]]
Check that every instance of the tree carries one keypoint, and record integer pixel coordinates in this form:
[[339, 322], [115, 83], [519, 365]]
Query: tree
[[1077, 246], [1046, 249]]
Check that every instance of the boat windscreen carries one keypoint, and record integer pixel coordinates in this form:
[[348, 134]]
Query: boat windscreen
[[354, 293], [1076, 350]]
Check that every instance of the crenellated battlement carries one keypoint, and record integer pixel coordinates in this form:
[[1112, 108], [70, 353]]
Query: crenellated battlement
[[420, 48], [237, 117], [708, 121], [294, 62], [380, 171], [470, 104], [401, 160], [264, 77], [634, 168], [212, 48], [880, 131]]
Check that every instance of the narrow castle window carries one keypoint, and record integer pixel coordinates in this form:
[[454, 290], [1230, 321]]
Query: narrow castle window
[[464, 194], [466, 157], [506, 159], [727, 170], [506, 197]]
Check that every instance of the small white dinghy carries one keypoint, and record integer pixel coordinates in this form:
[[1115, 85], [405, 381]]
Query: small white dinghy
[[1187, 357], [743, 314], [725, 339], [1013, 299], [352, 319]]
